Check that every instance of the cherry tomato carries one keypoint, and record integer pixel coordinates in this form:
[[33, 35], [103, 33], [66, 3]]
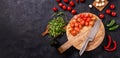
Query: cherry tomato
[[73, 12], [76, 24], [66, 1], [86, 23], [82, 1], [69, 8], [74, 20], [91, 23], [55, 9], [88, 19], [64, 7], [113, 14], [101, 16], [77, 1], [78, 19], [108, 11], [76, 16], [60, 4], [80, 26], [77, 29], [90, 15], [72, 3], [58, 1], [70, 28], [73, 32], [81, 15], [72, 24], [86, 15], [112, 6], [84, 18], [93, 18], [82, 22]]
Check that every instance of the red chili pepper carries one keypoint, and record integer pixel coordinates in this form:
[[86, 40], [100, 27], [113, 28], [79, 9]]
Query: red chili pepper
[[112, 49], [109, 42]]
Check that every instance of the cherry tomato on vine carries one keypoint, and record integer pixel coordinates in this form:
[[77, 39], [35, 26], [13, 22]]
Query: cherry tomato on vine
[[55, 9]]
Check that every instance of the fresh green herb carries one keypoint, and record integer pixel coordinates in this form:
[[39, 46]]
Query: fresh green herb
[[56, 26], [60, 13], [113, 28], [112, 22]]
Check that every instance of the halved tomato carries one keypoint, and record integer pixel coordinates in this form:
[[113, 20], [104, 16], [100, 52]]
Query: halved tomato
[[90, 15], [77, 29], [88, 19], [93, 18], [70, 28], [80, 26], [82, 22], [72, 24], [73, 32], [78, 19], [86, 23], [91, 23], [76, 24], [81, 15]]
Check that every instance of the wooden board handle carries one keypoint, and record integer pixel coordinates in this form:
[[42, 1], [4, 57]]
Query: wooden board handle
[[64, 47]]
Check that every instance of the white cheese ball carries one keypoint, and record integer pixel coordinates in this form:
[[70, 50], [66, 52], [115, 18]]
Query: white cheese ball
[[102, 0], [97, 4], [102, 3], [97, 0]]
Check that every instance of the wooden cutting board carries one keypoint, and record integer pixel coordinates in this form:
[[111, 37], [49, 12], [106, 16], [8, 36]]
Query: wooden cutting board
[[77, 41]]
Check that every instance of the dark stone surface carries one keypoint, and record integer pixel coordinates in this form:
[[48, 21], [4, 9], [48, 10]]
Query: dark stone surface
[[21, 24]]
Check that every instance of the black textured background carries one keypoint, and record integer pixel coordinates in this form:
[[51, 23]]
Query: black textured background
[[21, 24]]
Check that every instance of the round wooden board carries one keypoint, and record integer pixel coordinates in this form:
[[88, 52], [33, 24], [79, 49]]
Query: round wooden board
[[83, 35]]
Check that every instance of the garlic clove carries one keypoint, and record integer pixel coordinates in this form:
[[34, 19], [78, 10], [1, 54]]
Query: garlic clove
[[90, 6]]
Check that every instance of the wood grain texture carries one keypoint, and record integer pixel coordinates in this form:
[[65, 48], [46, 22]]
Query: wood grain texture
[[83, 35], [78, 40]]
